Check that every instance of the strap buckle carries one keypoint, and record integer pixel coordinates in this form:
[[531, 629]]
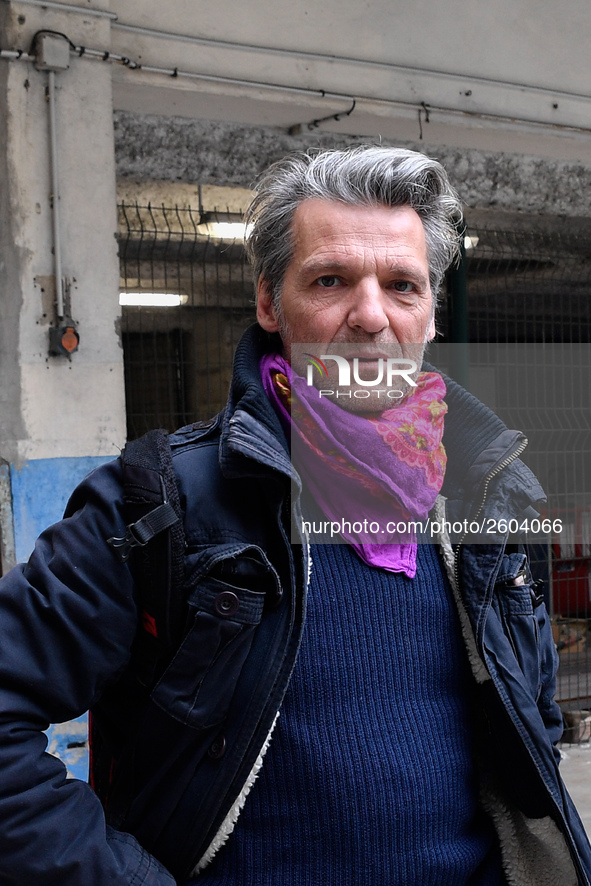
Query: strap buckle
[[124, 545], [140, 533]]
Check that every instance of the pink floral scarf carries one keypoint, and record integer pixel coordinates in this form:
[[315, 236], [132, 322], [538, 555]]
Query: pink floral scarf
[[376, 474]]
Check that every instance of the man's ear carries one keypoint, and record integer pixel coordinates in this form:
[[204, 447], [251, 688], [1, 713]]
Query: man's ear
[[265, 308], [431, 331]]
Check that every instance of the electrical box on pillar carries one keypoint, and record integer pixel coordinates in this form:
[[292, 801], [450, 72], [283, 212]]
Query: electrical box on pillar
[[52, 51], [63, 340]]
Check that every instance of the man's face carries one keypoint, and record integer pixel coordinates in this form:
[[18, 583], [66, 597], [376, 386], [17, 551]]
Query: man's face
[[359, 276]]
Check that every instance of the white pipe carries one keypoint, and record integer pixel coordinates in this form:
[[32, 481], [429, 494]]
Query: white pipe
[[57, 242], [514, 122], [213, 78], [258, 84], [68, 7], [298, 54], [16, 54]]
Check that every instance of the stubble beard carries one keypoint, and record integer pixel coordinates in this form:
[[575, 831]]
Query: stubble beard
[[373, 405]]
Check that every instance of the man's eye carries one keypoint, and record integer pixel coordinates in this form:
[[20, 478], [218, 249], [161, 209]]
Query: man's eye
[[328, 280], [403, 286]]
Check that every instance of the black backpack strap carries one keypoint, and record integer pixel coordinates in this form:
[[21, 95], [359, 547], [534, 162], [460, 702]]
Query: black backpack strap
[[155, 544]]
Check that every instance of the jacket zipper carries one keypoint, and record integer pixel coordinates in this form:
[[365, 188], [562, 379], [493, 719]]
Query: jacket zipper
[[496, 470]]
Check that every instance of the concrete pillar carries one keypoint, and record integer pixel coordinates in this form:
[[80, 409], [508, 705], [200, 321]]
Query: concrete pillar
[[59, 417]]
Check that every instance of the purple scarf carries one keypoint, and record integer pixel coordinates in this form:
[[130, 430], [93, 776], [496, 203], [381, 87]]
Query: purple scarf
[[384, 470]]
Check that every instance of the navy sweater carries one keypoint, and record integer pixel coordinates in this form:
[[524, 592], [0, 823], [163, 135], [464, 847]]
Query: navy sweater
[[369, 776]]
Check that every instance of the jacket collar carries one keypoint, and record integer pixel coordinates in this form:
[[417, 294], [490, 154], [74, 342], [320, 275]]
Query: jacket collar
[[252, 439]]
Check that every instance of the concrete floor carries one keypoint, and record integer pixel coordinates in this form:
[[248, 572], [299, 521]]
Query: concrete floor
[[576, 772]]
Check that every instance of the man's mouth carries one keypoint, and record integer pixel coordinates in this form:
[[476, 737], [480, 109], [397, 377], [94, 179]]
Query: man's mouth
[[372, 356]]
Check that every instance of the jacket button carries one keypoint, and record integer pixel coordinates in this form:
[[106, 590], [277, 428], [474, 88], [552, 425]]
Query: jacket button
[[217, 749], [226, 604]]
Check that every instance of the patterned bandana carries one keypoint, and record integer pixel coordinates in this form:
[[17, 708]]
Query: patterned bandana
[[384, 471]]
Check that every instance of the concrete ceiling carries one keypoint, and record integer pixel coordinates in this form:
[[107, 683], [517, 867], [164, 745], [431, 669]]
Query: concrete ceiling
[[508, 75]]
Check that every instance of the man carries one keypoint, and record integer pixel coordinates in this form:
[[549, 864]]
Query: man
[[407, 734]]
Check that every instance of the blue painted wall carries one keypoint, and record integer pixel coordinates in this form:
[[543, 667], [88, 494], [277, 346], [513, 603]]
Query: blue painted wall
[[68, 741], [40, 490]]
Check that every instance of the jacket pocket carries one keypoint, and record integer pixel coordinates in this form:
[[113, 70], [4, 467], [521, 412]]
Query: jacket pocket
[[197, 686], [515, 600]]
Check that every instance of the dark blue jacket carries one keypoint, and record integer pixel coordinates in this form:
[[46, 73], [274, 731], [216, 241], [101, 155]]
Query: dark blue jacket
[[187, 751]]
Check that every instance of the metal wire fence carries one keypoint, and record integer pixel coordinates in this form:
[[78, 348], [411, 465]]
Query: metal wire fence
[[527, 286], [529, 317], [524, 287], [178, 351]]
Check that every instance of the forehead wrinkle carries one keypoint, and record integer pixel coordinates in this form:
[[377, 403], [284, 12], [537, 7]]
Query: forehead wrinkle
[[324, 263]]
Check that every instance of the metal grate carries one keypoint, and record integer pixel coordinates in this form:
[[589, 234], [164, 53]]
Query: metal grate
[[532, 291], [178, 360], [527, 286]]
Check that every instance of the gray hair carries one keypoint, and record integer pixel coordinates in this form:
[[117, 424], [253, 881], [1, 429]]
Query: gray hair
[[367, 175]]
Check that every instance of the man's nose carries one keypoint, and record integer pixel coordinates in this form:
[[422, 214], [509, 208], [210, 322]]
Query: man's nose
[[367, 309]]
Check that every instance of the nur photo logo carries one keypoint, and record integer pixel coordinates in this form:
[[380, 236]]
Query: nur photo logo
[[360, 376]]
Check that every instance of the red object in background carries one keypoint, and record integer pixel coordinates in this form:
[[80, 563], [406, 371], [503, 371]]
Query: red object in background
[[571, 588]]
